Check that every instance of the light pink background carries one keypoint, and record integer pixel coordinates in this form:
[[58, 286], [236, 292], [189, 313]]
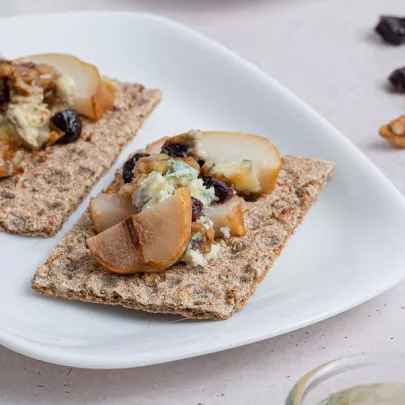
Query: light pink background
[[325, 51]]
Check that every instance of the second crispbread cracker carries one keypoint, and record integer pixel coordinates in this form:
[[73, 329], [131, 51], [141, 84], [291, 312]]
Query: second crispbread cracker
[[212, 292], [56, 180]]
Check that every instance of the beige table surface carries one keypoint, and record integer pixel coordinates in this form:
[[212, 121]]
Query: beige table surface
[[325, 51]]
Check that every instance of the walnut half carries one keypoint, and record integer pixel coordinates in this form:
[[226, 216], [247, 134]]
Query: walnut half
[[394, 132]]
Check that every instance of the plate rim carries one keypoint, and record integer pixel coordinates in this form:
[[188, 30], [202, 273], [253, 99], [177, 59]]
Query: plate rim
[[41, 351]]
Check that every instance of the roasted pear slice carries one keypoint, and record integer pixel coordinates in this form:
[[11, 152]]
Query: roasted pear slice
[[92, 96], [150, 241], [107, 210], [227, 215], [250, 163]]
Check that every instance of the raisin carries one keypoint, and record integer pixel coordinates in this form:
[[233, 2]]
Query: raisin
[[4, 92], [222, 191], [397, 79], [392, 29], [197, 207], [69, 122], [201, 163], [175, 149], [127, 173]]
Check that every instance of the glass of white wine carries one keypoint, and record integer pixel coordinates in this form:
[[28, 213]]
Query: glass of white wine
[[377, 379]]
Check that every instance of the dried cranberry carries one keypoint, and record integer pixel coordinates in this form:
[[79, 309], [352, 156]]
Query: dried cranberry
[[127, 173], [4, 92], [69, 122], [397, 79], [392, 29], [175, 149], [222, 191], [197, 207]]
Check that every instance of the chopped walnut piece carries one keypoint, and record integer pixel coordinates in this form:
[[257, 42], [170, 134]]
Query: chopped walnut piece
[[152, 163], [205, 244], [23, 76], [190, 161], [6, 168], [394, 132], [54, 137], [8, 154]]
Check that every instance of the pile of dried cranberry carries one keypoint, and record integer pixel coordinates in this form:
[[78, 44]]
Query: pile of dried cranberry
[[392, 30]]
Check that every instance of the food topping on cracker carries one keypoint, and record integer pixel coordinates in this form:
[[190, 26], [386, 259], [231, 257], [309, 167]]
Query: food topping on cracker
[[41, 97], [150, 241], [228, 215], [68, 125], [210, 169]]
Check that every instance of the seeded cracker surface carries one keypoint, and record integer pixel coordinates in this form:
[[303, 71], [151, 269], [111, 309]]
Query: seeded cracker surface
[[212, 292], [56, 180]]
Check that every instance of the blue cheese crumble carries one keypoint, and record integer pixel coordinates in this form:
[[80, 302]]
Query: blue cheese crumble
[[157, 187], [152, 190], [197, 144], [205, 195], [180, 173], [195, 258]]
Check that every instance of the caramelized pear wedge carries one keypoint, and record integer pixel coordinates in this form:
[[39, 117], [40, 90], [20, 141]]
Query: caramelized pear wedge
[[150, 241], [227, 215], [250, 163], [92, 96], [107, 210]]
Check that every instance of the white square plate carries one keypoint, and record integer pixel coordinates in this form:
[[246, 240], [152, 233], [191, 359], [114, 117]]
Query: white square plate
[[348, 250]]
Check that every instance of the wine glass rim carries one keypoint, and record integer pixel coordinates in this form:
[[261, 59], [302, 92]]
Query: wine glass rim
[[337, 366]]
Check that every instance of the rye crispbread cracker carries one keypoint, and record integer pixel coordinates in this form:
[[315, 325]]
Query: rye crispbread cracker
[[212, 292], [56, 180]]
